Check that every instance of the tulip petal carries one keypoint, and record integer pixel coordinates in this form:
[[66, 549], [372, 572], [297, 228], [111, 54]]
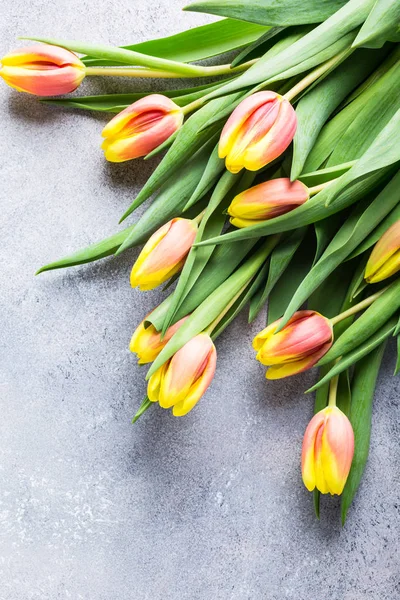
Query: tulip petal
[[294, 367], [198, 388], [385, 250], [154, 384], [337, 450], [308, 450]]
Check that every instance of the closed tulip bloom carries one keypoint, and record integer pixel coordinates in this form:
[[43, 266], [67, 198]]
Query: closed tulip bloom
[[146, 342], [140, 128], [182, 380], [42, 70], [164, 254], [266, 201], [297, 347], [328, 449], [257, 132], [385, 257]]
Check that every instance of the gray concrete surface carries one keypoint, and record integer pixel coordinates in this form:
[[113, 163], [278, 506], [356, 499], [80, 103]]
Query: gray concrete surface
[[210, 507]]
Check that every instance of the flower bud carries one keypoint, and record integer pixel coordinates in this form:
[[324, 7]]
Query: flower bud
[[385, 257], [164, 254], [257, 132], [328, 449], [146, 342], [266, 201], [184, 378], [140, 128], [297, 347], [42, 70]]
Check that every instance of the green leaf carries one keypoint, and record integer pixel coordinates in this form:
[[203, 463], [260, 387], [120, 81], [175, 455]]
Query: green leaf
[[270, 12], [197, 43], [142, 409], [213, 170], [259, 47], [279, 261], [187, 142], [356, 227], [122, 56], [382, 22], [314, 109], [169, 203], [310, 212], [324, 232], [358, 353], [285, 287], [397, 330], [212, 307], [317, 41], [324, 175], [367, 324], [362, 388]]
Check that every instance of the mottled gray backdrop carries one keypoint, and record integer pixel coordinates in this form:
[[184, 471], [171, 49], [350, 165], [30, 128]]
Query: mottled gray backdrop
[[210, 507]]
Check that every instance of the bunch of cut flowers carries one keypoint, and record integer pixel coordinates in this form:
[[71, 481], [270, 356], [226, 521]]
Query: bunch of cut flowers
[[279, 184]]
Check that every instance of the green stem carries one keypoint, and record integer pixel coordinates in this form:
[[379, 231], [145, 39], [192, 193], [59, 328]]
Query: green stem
[[227, 308], [194, 71], [316, 74], [199, 217], [333, 386], [318, 188], [358, 307]]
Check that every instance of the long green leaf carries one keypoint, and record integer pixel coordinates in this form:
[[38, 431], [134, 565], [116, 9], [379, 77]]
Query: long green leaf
[[358, 353], [367, 324], [197, 43], [213, 170], [212, 307], [142, 409], [188, 141], [314, 109], [363, 387], [358, 225], [397, 367], [259, 47], [270, 12], [382, 22]]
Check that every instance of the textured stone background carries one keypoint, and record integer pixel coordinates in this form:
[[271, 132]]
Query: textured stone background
[[207, 507]]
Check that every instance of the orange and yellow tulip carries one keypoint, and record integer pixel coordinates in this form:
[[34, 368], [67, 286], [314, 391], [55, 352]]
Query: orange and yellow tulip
[[184, 378], [266, 201], [298, 347], [141, 127], [257, 132], [42, 70], [385, 257], [164, 254], [328, 449], [146, 342]]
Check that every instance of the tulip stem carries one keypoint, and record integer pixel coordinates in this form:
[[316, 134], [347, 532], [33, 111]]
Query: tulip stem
[[333, 387], [227, 308], [357, 307], [196, 71], [199, 217], [316, 74], [318, 188]]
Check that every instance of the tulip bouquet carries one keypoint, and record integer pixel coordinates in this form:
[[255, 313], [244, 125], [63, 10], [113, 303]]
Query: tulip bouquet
[[279, 183]]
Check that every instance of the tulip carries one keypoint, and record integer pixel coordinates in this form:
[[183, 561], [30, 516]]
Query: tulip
[[328, 449], [140, 128], [298, 347], [42, 70], [385, 257], [146, 342], [257, 132], [266, 201], [184, 378], [164, 254]]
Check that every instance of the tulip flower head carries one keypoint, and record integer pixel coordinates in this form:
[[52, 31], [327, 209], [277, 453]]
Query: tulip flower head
[[328, 449], [184, 378], [42, 70], [141, 127], [164, 254], [146, 342], [266, 201], [297, 347], [257, 132], [385, 257]]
